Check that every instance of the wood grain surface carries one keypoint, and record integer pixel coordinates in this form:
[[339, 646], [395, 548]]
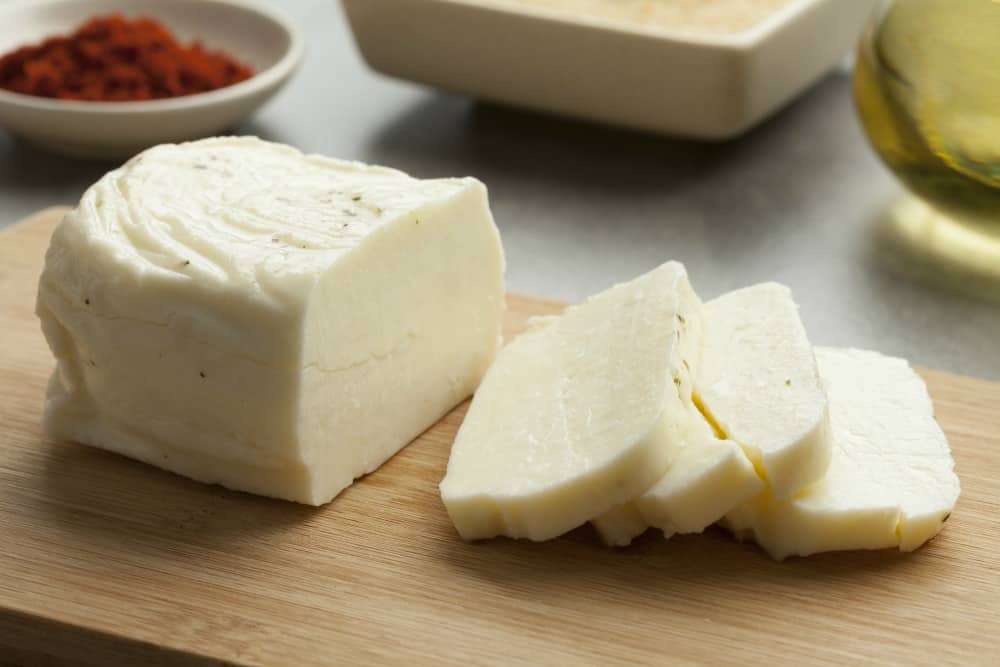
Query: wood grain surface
[[105, 560]]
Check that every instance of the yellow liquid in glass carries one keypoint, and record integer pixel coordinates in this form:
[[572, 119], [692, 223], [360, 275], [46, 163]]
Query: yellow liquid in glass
[[927, 87]]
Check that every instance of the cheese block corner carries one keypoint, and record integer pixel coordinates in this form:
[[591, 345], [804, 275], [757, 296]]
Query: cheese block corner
[[243, 314]]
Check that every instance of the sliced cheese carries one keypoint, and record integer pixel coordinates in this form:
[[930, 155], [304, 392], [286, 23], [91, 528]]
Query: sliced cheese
[[759, 384], [240, 313], [576, 415], [891, 479], [621, 524], [706, 478]]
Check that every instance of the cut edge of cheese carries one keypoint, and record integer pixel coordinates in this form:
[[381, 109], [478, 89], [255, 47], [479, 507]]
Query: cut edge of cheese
[[620, 525], [707, 477], [482, 516], [866, 501], [766, 522], [449, 332]]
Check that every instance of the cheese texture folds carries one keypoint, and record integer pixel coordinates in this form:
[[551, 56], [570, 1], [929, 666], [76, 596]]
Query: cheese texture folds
[[891, 480], [579, 414], [243, 314]]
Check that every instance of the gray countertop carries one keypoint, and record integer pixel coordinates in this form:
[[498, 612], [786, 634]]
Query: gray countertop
[[801, 200]]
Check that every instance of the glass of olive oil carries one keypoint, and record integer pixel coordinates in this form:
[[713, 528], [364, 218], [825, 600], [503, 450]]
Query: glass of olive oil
[[927, 88]]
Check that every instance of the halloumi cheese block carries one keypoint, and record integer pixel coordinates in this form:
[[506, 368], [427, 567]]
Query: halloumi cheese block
[[891, 480], [706, 478], [758, 382], [576, 415], [243, 314]]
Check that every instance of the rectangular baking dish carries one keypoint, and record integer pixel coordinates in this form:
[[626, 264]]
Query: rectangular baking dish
[[642, 77]]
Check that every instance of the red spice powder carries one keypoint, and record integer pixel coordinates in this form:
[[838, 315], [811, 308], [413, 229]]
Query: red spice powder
[[114, 59]]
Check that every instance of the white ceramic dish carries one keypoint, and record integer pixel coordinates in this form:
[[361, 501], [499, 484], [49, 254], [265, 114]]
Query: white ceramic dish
[[710, 87], [257, 36]]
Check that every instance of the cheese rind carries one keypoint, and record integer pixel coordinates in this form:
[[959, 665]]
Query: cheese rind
[[575, 416], [891, 480], [244, 314], [759, 383]]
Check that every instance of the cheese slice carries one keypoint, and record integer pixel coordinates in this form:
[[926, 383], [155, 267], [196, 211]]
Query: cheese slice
[[240, 313], [891, 480], [757, 382], [706, 478], [577, 414]]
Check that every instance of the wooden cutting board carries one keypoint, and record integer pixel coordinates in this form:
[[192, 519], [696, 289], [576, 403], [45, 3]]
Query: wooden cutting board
[[104, 560]]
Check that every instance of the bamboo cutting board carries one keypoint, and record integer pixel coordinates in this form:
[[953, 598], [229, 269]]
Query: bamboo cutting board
[[104, 560]]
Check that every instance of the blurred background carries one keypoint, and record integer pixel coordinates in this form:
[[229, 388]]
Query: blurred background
[[801, 199]]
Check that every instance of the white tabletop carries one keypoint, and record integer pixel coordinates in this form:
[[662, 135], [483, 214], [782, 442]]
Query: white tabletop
[[800, 200]]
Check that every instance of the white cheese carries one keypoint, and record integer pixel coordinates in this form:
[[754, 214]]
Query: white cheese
[[621, 524], [758, 382], [279, 323], [577, 414], [891, 480], [706, 478]]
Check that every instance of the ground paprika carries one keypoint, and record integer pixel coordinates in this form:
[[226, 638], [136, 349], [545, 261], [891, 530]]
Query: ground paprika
[[116, 59]]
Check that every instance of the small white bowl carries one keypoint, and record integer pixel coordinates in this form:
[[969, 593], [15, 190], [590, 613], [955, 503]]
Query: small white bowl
[[634, 75], [252, 34]]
